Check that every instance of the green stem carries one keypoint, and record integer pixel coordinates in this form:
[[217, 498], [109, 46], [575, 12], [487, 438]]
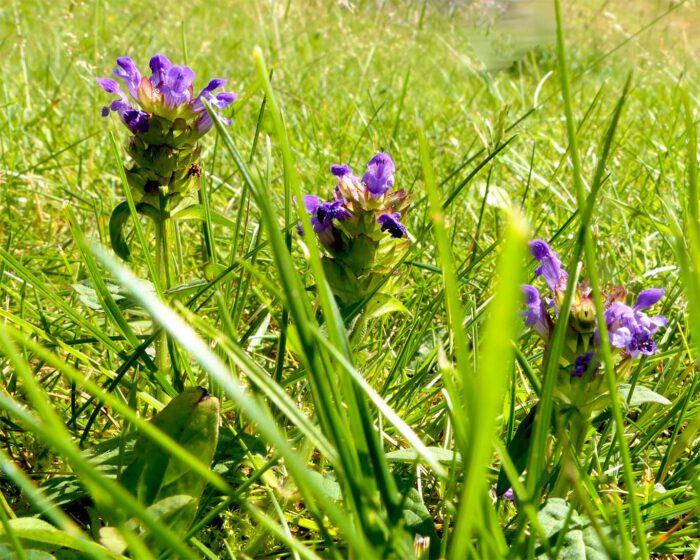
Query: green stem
[[578, 430], [163, 271]]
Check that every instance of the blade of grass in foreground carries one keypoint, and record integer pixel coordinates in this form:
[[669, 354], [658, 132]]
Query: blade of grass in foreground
[[589, 250], [457, 385], [496, 360]]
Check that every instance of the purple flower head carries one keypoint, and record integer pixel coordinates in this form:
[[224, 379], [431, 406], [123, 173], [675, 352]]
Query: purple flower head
[[380, 175], [630, 328], [168, 93], [136, 121], [550, 267], [536, 315], [159, 64], [110, 86], [349, 187], [391, 223], [583, 365], [508, 495], [322, 216], [649, 297], [341, 170]]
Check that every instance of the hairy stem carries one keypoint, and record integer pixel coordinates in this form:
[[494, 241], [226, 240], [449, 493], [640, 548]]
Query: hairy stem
[[163, 270]]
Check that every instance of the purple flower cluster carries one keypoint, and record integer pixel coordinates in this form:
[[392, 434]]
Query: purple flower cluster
[[353, 195], [322, 216], [630, 329], [168, 93]]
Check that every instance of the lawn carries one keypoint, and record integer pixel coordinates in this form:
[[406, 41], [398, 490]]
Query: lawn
[[477, 340]]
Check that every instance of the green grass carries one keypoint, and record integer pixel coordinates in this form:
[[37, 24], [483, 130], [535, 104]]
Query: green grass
[[333, 425]]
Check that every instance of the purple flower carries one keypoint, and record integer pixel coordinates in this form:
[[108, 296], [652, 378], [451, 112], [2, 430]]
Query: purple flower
[[110, 86], [508, 495], [583, 365], [177, 87], [341, 170], [126, 70], [168, 92], [349, 187], [322, 216], [135, 120], [649, 297], [391, 223], [221, 100], [380, 175], [536, 315], [550, 267], [323, 213], [159, 64], [630, 328]]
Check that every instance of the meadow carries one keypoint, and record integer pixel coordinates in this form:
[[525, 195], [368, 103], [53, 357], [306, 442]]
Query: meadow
[[478, 341]]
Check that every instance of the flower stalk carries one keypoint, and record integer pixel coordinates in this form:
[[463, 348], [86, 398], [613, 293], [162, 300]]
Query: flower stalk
[[166, 120]]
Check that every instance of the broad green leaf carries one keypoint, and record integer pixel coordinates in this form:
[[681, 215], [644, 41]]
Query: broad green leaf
[[171, 511], [6, 553], [640, 395], [198, 212], [410, 455], [117, 221], [112, 539], [88, 295], [382, 304], [36, 532], [419, 522], [328, 485], [580, 540], [518, 449], [192, 420]]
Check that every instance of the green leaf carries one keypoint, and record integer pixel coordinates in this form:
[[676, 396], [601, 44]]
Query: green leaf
[[36, 532], [116, 231], [580, 541], [518, 449], [198, 212], [192, 420], [172, 511], [382, 304], [117, 221], [31, 554], [410, 455], [640, 395], [89, 297], [419, 522], [328, 485]]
